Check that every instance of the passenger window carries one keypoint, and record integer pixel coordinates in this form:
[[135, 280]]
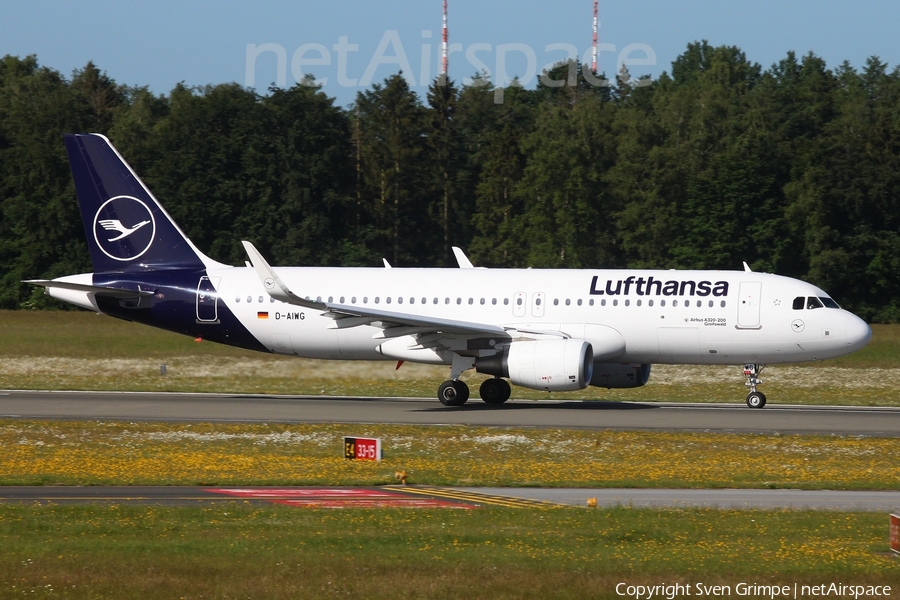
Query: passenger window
[[556, 302], [649, 302], [723, 304], [537, 301], [662, 302], [591, 302], [388, 300], [579, 302], [518, 302], [711, 303], [482, 301], [238, 299], [494, 301], [377, 299], [813, 302], [505, 301], [615, 302], [459, 300], [799, 301], [342, 299], [471, 301], [568, 302], [638, 302], [602, 302], [674, 302], [399, 300], [628, 303]]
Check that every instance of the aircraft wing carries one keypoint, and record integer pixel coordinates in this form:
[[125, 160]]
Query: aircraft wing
[[355, 316], [97, 290]]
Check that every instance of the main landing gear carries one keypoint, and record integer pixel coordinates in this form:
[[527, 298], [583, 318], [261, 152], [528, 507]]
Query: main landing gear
[[453, 393], [456, 393], [755, 399], [494, 391]]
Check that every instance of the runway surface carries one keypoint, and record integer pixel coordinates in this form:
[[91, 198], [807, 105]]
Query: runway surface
[[150, 406], [443, 497]]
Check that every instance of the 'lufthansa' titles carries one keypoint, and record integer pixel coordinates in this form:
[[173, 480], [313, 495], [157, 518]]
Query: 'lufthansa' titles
[[654, 287]]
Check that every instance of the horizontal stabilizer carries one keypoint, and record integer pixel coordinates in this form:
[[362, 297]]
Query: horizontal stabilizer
[[108, 292]]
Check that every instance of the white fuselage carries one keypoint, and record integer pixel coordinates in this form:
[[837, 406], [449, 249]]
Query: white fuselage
[[665, 317]]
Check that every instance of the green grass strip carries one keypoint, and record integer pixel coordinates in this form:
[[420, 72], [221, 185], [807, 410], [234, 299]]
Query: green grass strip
[[118, 453], [243, 551]]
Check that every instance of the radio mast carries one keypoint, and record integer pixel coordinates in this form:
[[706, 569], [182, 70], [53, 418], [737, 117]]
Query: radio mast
[[444, 46], [596, 29]]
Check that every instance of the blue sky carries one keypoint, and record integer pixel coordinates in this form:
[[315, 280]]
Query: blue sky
[[202, 42]]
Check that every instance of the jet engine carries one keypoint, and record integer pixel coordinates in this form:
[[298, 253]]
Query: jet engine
[[615, 375], [550, 365]]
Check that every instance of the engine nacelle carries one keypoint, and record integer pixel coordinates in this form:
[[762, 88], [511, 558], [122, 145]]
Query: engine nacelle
[[550, 365], [615, 375]]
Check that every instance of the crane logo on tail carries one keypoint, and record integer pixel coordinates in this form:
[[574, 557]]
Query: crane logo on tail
[[120, 228]]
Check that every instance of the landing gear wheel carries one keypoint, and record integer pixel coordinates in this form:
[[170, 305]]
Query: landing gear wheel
[[453, 393], [756, 399], [494, 391]]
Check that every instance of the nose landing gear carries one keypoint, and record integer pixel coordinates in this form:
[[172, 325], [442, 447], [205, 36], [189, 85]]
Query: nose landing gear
[[755, 399]]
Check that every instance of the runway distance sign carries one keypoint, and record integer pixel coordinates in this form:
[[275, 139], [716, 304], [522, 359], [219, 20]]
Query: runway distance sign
[[362, 448], [895, 533]]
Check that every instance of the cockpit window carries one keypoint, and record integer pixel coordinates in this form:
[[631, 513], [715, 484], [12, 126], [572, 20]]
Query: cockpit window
[[813, 302], [799, 302], [828, 302]]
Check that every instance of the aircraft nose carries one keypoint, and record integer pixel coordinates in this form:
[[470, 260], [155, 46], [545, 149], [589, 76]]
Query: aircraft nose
[[858, 332]]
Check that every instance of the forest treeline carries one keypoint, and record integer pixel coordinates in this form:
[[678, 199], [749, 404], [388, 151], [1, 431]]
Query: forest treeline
[[794, 169]]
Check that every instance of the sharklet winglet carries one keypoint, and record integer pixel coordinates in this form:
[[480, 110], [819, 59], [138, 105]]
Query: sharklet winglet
[[273, 284]]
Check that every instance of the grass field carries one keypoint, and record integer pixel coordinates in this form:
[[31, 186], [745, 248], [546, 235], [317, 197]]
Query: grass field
[[243, 551], [81, 350], [116, 453]]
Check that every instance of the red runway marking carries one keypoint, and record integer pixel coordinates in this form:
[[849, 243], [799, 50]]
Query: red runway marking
[[340, 498]]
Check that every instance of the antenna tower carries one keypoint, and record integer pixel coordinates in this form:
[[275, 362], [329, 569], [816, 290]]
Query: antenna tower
[[444, 45], [596, 29]]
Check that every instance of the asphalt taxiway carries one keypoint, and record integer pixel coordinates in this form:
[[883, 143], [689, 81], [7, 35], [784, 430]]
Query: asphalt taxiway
[[447, 497], [152, 406]]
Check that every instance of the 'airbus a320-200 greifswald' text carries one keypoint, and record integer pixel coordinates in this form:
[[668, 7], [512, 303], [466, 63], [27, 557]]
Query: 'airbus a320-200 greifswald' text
[[553, 330]]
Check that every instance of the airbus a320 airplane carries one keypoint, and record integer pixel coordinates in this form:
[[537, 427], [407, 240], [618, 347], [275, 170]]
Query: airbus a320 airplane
[[553, 330]]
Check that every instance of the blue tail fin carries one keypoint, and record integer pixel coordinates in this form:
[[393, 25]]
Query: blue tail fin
[[126, 227]]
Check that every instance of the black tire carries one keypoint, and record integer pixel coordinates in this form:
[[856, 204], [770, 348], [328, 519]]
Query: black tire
[[453, 393], [756, 400], [494, 391]]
